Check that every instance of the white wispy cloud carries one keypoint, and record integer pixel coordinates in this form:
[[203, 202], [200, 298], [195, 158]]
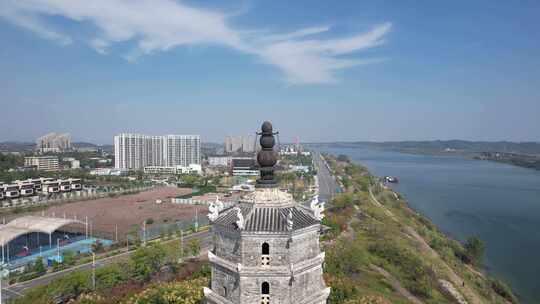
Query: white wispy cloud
[[31, 22], [160, 25], [269, 37]]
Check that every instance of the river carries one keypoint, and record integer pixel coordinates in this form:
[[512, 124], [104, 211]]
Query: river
[[499, 203]]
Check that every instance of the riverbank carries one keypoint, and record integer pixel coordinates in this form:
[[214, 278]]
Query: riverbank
[[464, 197], [379, 247], [524, 155]]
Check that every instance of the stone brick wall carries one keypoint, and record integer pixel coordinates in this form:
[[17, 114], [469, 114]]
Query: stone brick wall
[[304, 246], [308, 284], [251, 289], [225, 283], [252, 250], [227, 244], [245, 248]]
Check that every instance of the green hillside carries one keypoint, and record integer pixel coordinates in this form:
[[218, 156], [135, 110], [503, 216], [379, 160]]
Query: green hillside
[[380, 251]]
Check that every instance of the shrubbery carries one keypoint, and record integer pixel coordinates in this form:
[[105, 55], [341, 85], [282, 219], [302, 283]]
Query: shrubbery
[[411, 269], [107, 277], [474, 249], [346, 259], [503, 290], [183, 292], [343, 288], [66, 287], [343, 201], [145, 261]]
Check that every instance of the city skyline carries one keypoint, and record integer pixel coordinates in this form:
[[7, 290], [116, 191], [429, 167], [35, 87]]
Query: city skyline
[[351, 71]]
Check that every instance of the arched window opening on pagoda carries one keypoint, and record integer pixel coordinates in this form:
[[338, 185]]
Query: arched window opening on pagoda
[[265, 293], [265, 254], [224, 291]]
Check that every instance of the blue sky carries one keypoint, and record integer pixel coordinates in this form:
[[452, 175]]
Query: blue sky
[[320, 70]]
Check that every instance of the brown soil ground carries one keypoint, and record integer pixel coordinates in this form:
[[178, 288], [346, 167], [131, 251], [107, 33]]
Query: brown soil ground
[[128, 211]]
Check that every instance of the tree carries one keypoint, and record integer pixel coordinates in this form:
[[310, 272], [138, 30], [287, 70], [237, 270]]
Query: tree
[[97, 247], [109, 276], [170, 231], [133, 236], [147, 260], [70, 285], [39, 267], [343, 158], [69, 258], [343, 201], [474, 249], [194, 247]]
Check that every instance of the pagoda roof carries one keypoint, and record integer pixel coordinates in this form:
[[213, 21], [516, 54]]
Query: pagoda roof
[[261, 218]]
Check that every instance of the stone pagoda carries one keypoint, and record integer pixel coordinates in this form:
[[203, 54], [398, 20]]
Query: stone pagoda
[[266, 248]]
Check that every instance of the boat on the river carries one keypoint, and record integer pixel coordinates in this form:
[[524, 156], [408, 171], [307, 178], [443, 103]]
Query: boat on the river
[[391, 179]]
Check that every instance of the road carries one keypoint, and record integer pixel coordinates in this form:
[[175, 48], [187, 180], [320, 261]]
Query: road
[[17, 290], [327, 183]]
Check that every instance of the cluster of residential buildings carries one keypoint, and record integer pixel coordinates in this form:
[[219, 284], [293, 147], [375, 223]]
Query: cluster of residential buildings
[[49, 163], [191, 169], [43, 163], [108, 172], [54, 143], [137, 151], [294, 149], [74, 163], [35, 186], [244, 167], [219, 161], [237, 166], [240, 144]]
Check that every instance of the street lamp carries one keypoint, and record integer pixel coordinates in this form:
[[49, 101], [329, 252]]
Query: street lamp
[[144, 233], [93, 271], [3, 272]]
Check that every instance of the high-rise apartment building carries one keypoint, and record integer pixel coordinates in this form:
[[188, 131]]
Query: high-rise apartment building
[[136, 151], [53, 142], [244, 144]]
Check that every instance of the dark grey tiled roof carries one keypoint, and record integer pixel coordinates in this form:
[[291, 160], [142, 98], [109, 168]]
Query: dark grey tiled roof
[[228, 216], [267, 219]]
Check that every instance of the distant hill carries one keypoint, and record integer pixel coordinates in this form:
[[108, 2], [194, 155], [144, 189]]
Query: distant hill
[[83, 145], [445, 146], [87, 145], [13, 146]]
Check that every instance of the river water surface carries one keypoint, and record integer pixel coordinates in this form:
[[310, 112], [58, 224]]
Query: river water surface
[[499, 203]]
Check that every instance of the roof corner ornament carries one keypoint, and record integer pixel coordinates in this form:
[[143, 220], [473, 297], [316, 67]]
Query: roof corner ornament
[[290, 221], [239, 219], [219, 204], [317, 208], [214, 209]]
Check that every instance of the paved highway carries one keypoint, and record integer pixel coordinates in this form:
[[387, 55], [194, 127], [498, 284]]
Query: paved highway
[[17, 290], [327, 183]]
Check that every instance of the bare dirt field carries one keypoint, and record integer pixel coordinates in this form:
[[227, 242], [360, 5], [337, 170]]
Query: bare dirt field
[[129, 210]]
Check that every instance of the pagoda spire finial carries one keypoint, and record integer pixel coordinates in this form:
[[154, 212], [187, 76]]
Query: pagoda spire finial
[[267, 157]]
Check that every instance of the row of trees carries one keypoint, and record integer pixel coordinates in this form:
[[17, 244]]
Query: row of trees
[[8, 161], [140, 268]]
